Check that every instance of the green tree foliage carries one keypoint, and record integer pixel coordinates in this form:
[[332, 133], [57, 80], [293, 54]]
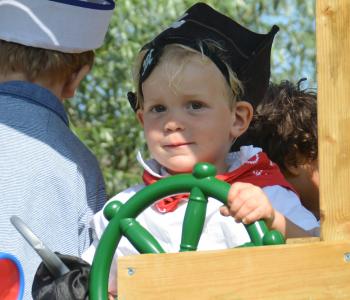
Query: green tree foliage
[[100, 114]]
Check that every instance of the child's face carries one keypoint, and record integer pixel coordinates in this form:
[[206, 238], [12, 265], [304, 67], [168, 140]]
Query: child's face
[[190, 122], [305, 179]]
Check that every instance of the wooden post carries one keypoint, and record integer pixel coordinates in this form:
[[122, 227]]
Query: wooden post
[[333, 76]]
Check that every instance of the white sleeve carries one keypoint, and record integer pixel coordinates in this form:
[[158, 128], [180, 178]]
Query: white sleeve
[[88, 256], [98, 224], [288, 203]]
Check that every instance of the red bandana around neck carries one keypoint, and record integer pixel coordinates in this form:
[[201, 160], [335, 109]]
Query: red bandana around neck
[[258, 170]]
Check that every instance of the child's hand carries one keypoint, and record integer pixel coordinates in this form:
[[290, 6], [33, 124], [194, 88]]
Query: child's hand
[[111, 297], [248, 203]]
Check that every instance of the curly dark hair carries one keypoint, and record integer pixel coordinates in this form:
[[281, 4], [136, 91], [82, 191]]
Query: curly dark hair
[[285, 125]]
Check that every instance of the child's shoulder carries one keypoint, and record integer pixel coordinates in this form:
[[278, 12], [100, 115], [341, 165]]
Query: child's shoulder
[[125, 195], [99, 222]]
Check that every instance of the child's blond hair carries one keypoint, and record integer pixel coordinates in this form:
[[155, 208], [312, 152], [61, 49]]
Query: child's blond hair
[[37, 63], [182, 54]]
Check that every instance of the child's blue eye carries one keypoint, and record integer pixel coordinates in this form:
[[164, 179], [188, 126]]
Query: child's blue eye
[[195, 105], [158, 108]]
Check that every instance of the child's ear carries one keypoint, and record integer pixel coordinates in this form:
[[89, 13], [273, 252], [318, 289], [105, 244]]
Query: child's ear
[[243, 117], [139, 115], [72, 83]]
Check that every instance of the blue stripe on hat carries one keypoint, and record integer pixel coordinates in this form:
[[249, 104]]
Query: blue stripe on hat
[[106, 5]]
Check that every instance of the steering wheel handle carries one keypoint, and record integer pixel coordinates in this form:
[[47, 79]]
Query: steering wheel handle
[[201, 184]]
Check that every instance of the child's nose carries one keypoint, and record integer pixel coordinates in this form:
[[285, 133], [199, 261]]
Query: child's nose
[[173, 124]]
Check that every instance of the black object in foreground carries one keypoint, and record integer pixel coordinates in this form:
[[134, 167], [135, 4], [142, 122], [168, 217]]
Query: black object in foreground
[[70, 286], [58, 276]]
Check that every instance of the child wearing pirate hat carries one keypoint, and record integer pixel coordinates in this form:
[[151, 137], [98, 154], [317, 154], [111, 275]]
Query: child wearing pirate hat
[[48, 177], [197, 83]]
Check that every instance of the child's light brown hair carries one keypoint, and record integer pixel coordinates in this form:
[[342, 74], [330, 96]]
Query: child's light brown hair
[[181, 54], [37, 63]]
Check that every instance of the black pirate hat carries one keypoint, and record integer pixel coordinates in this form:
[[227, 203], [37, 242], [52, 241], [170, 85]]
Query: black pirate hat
[[246, 52]]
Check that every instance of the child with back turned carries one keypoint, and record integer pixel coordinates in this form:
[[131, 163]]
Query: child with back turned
[[48, 177], [197, 83]]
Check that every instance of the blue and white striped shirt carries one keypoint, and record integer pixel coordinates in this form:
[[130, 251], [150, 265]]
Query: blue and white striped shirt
[[48, 177]]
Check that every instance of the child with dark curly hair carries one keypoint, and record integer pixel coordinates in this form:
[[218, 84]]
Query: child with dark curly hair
[[285, 127]]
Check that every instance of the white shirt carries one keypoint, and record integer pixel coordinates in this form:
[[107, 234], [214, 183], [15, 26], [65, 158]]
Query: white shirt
[[218, 233]]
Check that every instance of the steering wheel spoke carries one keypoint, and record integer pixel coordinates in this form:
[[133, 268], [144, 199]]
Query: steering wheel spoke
[[139, 237], [193, 223]]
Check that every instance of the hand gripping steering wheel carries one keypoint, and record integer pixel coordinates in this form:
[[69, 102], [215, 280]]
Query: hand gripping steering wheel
[[201, 184]]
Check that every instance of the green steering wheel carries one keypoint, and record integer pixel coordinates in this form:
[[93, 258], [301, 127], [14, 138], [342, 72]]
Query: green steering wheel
[[201, 184]]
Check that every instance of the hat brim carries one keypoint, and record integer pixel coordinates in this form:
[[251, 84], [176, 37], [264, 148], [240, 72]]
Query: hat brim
[[70, 26]]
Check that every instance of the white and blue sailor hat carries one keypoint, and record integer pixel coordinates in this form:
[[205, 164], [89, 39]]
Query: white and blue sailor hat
[[71, 26]]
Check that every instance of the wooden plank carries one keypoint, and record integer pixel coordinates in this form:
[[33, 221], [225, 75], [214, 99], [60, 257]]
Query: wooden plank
[[333, 65], [299, 271], [302, 240]]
